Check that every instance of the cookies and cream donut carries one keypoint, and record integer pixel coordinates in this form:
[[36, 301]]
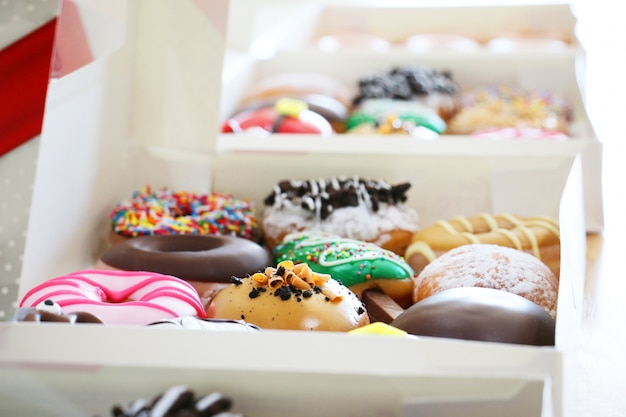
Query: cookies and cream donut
[[351, 207], [290, 297], [166, 212], [178, 400], [356, 264], [207, 262], [490, 266], [435, 89], [537, 235], [119, 297], [49, 311]]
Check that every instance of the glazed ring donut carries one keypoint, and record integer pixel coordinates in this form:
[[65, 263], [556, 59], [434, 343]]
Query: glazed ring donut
[[205, 262], [119, 297], [538, 235], [165, 212]]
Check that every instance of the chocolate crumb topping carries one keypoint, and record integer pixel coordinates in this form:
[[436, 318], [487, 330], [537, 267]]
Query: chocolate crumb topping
[[323, 196], [236, 280], [406, 83]]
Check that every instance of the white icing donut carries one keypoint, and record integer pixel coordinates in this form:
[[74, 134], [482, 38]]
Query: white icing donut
[[119, 297]]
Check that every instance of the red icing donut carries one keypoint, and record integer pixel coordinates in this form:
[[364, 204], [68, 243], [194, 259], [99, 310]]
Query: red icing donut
[[119, 297]]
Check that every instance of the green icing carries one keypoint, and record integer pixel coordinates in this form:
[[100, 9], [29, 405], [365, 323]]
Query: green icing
[[346, 260]]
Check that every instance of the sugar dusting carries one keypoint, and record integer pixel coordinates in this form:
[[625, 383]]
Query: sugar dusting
[[492, 266]]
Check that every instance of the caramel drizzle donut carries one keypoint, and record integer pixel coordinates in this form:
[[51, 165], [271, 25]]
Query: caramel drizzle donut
[[290, 296], [119, 297], [529, 234]]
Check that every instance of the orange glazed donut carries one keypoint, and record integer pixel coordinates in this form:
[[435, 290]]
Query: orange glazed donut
[[490, 266], [536, 235]]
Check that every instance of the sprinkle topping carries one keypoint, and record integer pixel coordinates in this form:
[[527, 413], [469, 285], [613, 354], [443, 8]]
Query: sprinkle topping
[[165, 212], [347, 260]]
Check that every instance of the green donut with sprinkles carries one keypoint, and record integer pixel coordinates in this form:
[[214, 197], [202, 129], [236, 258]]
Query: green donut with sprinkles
[[359, 265]]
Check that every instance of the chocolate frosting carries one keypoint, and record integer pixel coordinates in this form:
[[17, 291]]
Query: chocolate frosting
[[325, 195], [476, 313], [41, 316], [204, 258]]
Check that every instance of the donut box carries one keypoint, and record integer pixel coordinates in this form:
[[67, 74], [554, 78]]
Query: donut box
[[271, 39], [147, 110]]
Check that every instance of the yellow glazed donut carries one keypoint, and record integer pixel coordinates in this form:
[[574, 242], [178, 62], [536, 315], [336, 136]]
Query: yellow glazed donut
[[537, 235]]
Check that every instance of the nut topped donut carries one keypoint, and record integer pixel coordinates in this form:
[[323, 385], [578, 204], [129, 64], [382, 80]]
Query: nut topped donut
[[537, 235], [490, 266], [290, 297], [351, 207], [207, 262], [166, 212]]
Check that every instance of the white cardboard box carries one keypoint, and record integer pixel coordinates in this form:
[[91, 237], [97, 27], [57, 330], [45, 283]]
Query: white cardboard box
[[147, 113], [276, 36]]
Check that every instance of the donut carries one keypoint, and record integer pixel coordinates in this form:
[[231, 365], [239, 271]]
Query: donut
[[290, 297], [165, 212], [388, 116], [298, 85], [490, 266], [352, 40], [351, 207], [207, 262], [435, 89], [537, 235], [119, 297], [195, 323], [482, 314], [178, 400], [534, 43], [323, 94], [427, 42], [49, 311], [502, 106], [284, 116], [358, 265]]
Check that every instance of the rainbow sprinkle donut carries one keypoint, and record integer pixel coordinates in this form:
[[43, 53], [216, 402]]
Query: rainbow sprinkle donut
[[166, 212]]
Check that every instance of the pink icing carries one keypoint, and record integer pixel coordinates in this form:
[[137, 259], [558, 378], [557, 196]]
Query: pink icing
[[119, 297]]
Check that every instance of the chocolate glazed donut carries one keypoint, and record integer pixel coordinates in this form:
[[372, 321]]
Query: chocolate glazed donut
[[205, 261]]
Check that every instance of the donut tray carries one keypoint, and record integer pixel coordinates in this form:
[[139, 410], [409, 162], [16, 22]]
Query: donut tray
[[147, 111], [283, 40]]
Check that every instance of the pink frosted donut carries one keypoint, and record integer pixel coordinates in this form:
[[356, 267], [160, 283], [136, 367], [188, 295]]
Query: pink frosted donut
[[119, 297]]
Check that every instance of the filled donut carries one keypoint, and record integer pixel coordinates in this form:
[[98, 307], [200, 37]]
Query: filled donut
[[290, 297], [119, 297], [490, 266], [352, 207], [163, 211], [537, 235], [207, 262]]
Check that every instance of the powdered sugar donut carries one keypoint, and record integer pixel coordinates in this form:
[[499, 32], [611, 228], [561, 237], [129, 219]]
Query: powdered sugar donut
[[351, 207], [119, 297], [490, 266]]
